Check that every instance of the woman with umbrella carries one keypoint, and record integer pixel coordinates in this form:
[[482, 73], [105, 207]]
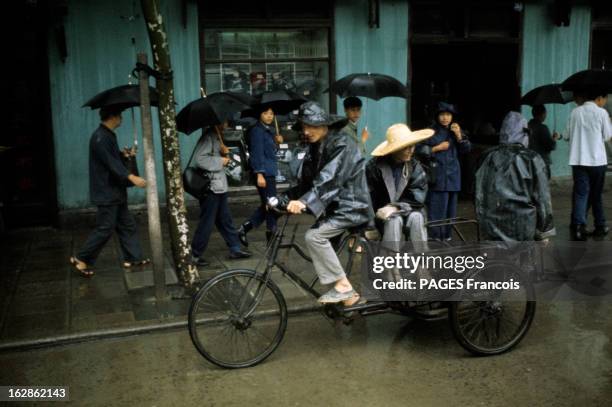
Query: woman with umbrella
[[262, 141], [210, 155], [443, 150], [211, 113]]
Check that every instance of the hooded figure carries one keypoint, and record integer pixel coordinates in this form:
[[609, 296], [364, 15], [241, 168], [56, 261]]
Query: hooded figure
[[512, 195], [332, 186], [398, 185], [514, 129]]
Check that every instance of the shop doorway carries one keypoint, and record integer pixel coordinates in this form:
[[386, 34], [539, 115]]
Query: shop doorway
[[466, 53], [479, 78]]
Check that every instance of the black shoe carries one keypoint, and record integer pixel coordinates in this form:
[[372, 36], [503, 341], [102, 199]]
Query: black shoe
[[600, 231], [240, 254], [242, 232], [199, 261], [579, 233]]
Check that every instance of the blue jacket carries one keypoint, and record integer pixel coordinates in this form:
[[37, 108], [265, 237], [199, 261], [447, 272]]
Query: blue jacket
[[448, 174], [108, 175], [262, 150]]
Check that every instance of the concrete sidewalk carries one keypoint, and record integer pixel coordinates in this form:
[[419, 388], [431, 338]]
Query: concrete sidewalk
[[43, 299]]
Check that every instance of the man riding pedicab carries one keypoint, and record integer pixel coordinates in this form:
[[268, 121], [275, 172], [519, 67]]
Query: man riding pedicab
[[332, 186]]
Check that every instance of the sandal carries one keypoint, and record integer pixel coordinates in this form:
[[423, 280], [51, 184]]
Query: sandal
[[130, 264], [85, 272], [354, 300], [334, 296], [359, 248]]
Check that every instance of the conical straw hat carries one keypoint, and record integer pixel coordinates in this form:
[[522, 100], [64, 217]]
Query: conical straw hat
[[398, 137]]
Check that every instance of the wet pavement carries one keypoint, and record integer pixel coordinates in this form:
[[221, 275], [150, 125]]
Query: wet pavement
[[565, 359], [43, 297], [386, 360]]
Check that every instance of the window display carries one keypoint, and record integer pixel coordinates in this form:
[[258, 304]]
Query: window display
[[254, 61]]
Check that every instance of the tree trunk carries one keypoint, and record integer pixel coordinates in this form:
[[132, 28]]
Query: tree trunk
[[175, 199]]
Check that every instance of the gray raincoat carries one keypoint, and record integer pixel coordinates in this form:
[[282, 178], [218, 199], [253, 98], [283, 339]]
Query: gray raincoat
[[332, 182], [512, 195]]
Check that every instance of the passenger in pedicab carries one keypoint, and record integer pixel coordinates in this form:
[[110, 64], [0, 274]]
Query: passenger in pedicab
[[398, 185], [332, 186]]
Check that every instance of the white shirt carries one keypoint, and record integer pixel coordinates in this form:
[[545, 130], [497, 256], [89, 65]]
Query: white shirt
[[588, 128]]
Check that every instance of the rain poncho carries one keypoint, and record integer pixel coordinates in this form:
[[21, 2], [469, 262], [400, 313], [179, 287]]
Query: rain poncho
[[514, 129], [512, 195], [332, 181]]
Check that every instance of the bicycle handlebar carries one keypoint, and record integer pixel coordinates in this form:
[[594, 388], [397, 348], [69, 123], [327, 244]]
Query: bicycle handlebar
[[277, 206]]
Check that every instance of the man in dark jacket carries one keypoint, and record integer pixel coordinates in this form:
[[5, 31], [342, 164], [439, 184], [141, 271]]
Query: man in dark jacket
[[398, 185], [512, 195], [334, 189], [540, 139], [108, 182]]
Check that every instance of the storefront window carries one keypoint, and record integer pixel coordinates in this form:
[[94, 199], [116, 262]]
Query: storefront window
[[254, 61]]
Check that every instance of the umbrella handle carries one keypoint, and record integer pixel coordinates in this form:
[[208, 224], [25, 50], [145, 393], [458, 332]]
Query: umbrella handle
[[223, 150], [278, 138], [134, 132]]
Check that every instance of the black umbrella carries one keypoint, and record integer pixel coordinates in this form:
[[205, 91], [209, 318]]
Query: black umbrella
[[281, 101], [546, 94], [371, 85], [589, 80], [122, 96], [210, 110]]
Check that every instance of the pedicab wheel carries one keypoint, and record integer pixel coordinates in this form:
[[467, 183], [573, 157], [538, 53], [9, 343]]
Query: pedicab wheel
[[493, 327], [237, 319]]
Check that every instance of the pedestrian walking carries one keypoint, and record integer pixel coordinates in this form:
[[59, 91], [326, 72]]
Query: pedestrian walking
[[109, 179], [211, 156], [263, 145], [588, 129]]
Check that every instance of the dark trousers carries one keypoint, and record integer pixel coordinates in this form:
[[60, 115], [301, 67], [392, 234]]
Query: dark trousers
[[548, 172], [109, 218], [214, 210], [441, 205], [587, 191], [261, 213]]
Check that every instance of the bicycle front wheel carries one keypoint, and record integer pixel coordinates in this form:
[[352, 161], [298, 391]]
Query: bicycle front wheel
[[237, 319]]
